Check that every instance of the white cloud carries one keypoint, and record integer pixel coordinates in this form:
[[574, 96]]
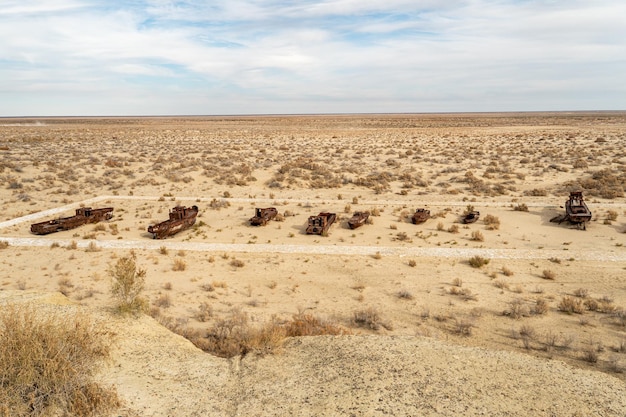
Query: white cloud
[[312, 56]]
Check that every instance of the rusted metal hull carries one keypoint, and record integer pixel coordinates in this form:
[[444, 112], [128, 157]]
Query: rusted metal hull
[[263, 215], [181, 218], [471, 217], [420, 216], [358, 219], [319, 225], [84, 215], [576, 211]]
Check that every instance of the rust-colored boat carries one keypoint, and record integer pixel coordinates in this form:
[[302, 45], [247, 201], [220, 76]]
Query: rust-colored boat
[[576, 211], [181, 218], [263, 215], [84, 215], [319, 225], [420, 216], [358, 219]]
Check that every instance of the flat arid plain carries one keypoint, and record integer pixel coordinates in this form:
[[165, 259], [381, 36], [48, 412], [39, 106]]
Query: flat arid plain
[[510, 315]]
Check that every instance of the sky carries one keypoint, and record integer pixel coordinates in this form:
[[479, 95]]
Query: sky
[[229, 57]]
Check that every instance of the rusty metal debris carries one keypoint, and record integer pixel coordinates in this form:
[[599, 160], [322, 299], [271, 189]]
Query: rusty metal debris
[[576, 211], [420, 216], [471, 217], [263, 215], [180, 219], [319, 225], [358, 219], [84, 215]]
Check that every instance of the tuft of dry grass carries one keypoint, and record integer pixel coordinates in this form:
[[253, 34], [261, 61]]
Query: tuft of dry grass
[[571, 305], [179, 265], [478, 261], [369, 318], [237, 263], [48, 362], [127, 284], [492, 222], [477, 236]]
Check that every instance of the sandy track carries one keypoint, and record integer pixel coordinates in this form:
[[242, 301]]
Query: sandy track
[[326, 249]]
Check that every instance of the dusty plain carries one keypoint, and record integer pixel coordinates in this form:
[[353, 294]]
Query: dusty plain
[[550, 293]]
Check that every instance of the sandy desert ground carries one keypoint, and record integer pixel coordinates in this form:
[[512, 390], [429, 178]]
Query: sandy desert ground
[[550, 292]]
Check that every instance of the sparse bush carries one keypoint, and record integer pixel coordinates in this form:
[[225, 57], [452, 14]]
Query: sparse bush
[[463, 327], [548, 274], [237, 263], [405, 295], [92, 247], [520, 207], [581, 293], [369, 318], [478, 261], [477, 236], [164, 301], [454, 228], [4, 244], [571, 305], [179, 265], [492, 222], [517, 309], [204, 312], [541, 307], [127, 284], [309, 325], [507, 272], [48, 362], [501, 284], [163, 250], [412, 263]]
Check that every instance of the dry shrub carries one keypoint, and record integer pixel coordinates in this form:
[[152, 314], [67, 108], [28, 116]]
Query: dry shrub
[[548, 274], [405, 295], [571, 305], [477, 236], [412, 263], [478, 261], [507, 272], [541, 307], [501, 284], [454, 228], [463, 327], [233, 336], [204, 313], [369, 318], [179, 265], [581, 293], [517, 309], [236, 263], [492, 222], [127, 284], [48, 362], [164, 301], [310, 325], [4, 244], [520, 207]]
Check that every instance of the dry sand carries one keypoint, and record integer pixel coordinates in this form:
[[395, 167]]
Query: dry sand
[[441, 315]]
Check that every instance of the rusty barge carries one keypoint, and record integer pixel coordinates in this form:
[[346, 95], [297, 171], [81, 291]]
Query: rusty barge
[[181, 218], [84, 215]]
